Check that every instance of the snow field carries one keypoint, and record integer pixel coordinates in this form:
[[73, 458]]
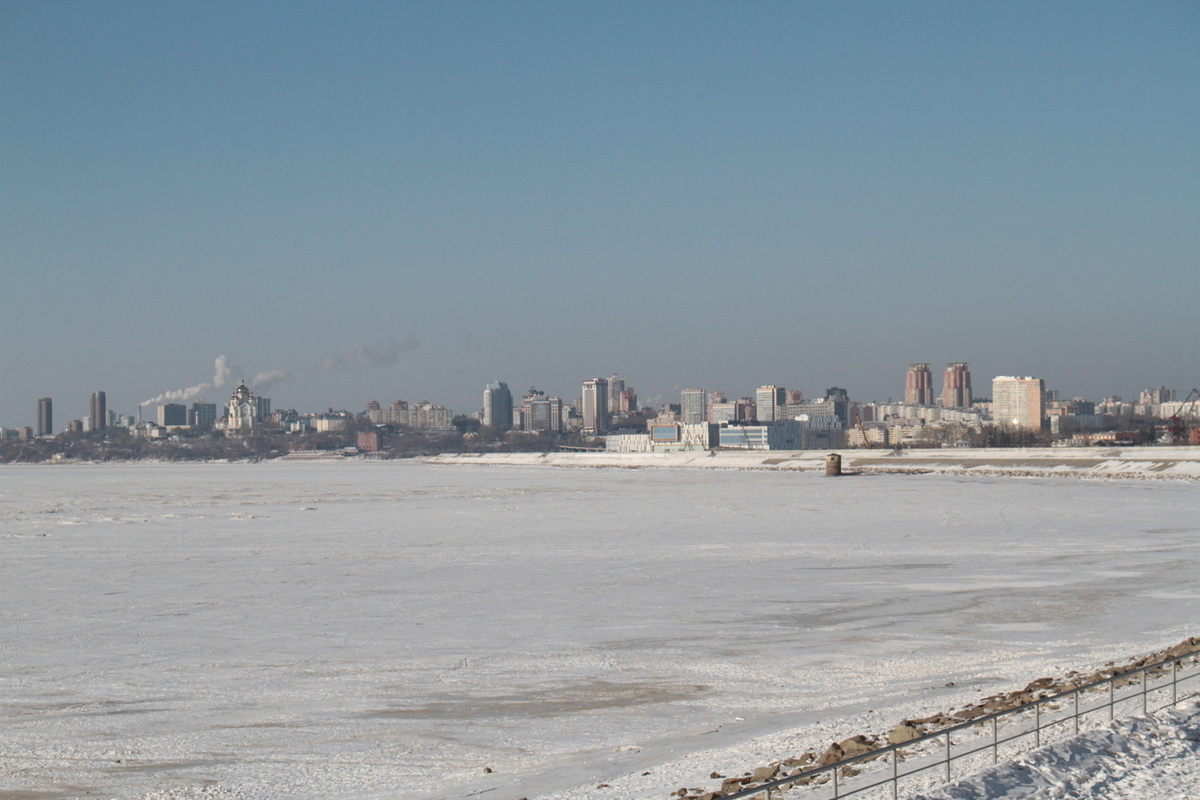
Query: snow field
[[359, 629]]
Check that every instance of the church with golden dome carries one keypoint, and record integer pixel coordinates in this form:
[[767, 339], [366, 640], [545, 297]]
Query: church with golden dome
[[245, 410]]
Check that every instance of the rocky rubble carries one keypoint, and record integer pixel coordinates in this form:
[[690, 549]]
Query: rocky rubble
[[910, 729]]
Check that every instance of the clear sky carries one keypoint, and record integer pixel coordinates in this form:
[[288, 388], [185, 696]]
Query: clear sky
[[409, 200]]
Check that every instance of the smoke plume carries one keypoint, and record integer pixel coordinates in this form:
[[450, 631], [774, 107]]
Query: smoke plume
[[223, 370], [265, 380], [368, 355]]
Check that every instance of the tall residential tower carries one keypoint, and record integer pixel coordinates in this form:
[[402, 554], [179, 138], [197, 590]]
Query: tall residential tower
[[99, 412], [45, 426], [1018, 402], [693, 403], [956, 386], [918, 386], [595, 406], [768, 401], [497, 406]]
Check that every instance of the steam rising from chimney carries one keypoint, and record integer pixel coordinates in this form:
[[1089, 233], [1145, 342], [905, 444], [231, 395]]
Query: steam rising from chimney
[[373, 355], [265, 380], [223, 370], [360, 356]]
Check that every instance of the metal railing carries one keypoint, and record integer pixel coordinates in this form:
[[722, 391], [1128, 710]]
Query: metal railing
[[1024, 726]]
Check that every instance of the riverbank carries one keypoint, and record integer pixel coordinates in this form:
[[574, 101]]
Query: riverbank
[[1084, 462]]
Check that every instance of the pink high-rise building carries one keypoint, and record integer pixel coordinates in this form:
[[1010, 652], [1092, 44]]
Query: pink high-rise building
[[956, 386], [918, 386]]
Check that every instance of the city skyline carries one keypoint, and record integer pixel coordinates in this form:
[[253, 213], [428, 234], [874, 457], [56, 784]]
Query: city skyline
[[385, 201], [593, 397]]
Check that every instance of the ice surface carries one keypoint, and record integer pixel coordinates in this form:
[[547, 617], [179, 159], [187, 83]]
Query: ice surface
[[391, 629]]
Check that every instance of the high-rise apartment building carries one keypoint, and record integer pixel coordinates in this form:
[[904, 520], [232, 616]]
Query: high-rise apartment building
[[1156, 396], [918, 386], [616, 385], [170, 414], [1018, 402], [45, 417], [956, 386], [693, 403], [768, 400], [539, 412], [497, 406], [99, 412], [203, 415], [595, 406]]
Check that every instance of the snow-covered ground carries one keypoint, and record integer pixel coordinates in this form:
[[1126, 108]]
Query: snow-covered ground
[[397, 629], [1156, 756]]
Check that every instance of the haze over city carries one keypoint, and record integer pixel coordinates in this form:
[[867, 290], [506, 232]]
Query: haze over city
[[382, 201]]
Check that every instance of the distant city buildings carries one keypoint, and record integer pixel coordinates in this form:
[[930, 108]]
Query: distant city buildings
[[538, 412], [243, 410], [172, 415], [1156, 397], [918, 386], [693, 404], [768, 401], [773, 418], [616, 385], [1018, 402], [99, 413], [45, 417], [666, 438], [956, 386], [594, 404], [203, 415], [497, 406], [422, 416]]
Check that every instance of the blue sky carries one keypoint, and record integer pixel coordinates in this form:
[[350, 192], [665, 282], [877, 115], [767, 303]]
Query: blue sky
[[409, 200]]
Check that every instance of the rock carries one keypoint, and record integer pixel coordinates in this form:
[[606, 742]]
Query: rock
[[971, 712], [1182, 649], [903, 733], [833, 753], [764, 774], [802, 761], [731, 785], [856, 746]]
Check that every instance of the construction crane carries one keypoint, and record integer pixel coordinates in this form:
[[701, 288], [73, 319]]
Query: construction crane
[[862, 429], [1177, 425]]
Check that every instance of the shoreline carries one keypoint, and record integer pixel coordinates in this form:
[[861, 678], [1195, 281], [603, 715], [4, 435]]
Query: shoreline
[[1172, 463]]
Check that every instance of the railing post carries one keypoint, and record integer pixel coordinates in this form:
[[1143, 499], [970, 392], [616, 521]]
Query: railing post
[[836, 793], [1112, 694], [1037, 724], [947, 756], [1076, 696], [1145, 680], [896, 774], [1174, 682], [995, 743]]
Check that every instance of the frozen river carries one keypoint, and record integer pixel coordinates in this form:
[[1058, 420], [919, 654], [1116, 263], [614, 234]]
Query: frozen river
[[392, 629]]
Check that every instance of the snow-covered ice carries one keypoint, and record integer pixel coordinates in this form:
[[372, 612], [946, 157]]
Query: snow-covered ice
[[392, 629]]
